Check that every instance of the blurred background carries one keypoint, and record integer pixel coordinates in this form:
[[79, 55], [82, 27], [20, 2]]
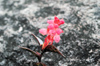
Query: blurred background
[[80, 42]]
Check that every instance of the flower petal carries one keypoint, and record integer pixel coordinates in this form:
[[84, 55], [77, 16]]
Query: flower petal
[[59, 31], [56, 20], [51, 26], [50, 21], [61, 22], [43, 31], [57, 38], [50, 38], [56, 25], [52, 32]]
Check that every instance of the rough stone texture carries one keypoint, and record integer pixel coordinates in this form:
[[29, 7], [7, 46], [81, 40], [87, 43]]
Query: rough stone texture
[[80, 41]]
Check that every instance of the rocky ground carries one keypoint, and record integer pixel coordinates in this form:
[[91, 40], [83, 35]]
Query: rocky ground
[[80, 41]]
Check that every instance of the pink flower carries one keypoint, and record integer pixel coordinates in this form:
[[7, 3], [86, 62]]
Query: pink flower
[[50, 21], [43, 31], [56, 25], [61, 22], [57, 38], [56, 20], [59, 31], [48, 40], [53, 31], [51, 26]]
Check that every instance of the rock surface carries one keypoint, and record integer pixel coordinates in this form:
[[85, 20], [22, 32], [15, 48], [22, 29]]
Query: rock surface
[[80, 41]]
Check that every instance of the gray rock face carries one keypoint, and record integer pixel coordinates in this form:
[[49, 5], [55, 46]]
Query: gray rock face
[[80, 42]]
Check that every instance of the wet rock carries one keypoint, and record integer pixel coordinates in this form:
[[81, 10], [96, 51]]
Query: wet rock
[[80, 41], [47, 11]]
